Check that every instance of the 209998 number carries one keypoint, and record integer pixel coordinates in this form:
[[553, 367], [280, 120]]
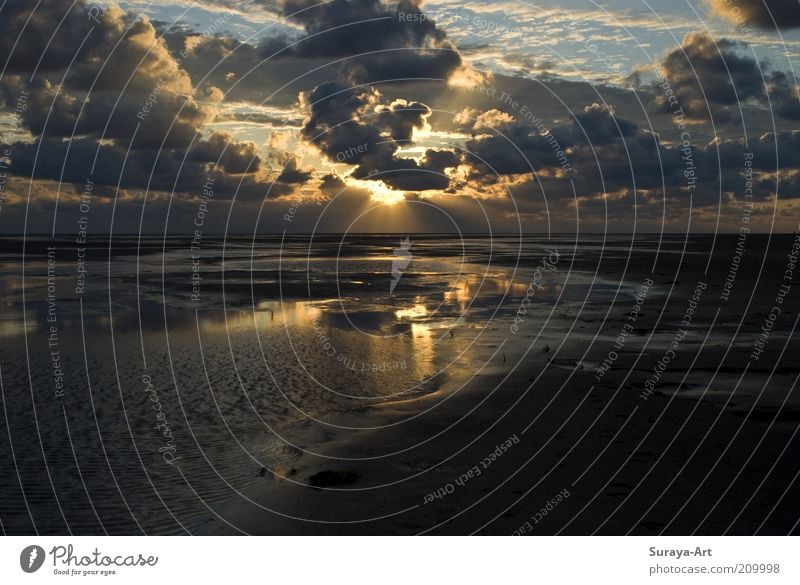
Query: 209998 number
[[758, 568]]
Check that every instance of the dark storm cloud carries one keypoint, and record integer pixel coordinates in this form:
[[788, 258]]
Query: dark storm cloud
[[48, 37], [606, 154], [404, 65], [514, 151], [124, 78], [331, 183], [342, 28], [767, 14], [513, 146], [379, 40], [355, 126], [165, 170], [234, 157], [408, 174], [640, 162], [401, 117], [172, 119], [599, 124], [292, 174], [334, 123], [123, 91], [775, 159], [783, 95], [788, 187], [244, 71], [704, 72], [713, 77]]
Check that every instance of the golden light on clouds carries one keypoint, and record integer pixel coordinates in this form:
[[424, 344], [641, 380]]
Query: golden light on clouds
[[378, 191]]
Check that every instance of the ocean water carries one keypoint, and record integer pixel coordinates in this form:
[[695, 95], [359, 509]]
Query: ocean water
[[145, 382]]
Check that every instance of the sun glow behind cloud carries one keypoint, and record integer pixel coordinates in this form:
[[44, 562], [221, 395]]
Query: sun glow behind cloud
[[378, 191]]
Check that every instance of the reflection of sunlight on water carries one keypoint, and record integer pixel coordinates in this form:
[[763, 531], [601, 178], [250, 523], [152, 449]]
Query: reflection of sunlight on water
[[382, 362], [468, 287], [418, 310], [268, 314], [460, 292], [367, 345], [424, 349], [11, 328], [386, 361]]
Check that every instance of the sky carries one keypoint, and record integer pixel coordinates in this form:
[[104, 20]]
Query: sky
[[273, 116]]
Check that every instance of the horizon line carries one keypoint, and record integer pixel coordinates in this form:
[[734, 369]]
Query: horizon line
[[453, 234]]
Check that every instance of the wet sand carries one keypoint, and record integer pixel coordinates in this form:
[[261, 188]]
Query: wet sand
[[541, 417], [707, 444]]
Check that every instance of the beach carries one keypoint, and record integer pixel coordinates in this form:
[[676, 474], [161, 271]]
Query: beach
[[561, 445], [486, 385]]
